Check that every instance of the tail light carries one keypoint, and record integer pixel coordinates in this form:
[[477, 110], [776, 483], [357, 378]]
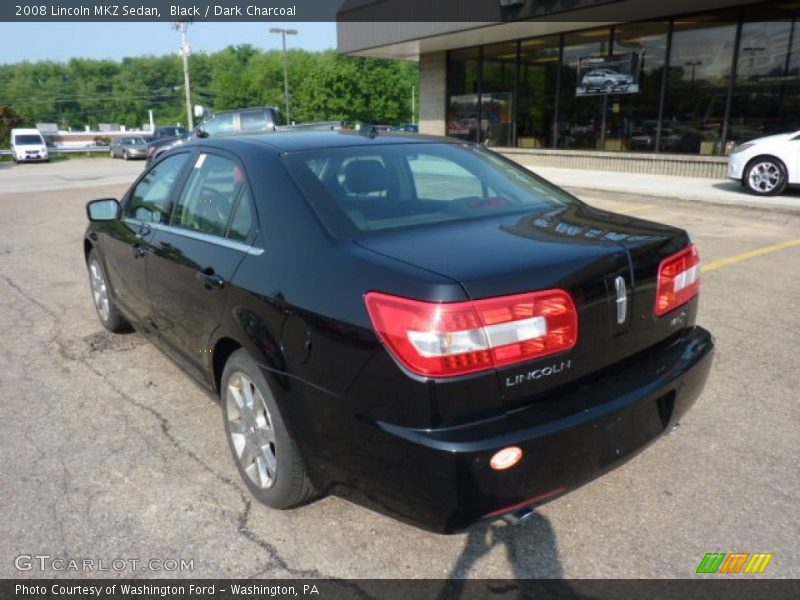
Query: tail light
[[449, 339], [678, 280]]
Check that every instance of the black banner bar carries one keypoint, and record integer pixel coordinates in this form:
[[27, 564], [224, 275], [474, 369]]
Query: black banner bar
[[361, 11], [714, 587]]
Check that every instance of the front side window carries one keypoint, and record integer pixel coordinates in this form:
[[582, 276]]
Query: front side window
[[210, 195], [219, 124], [362, 189], [150, 199]]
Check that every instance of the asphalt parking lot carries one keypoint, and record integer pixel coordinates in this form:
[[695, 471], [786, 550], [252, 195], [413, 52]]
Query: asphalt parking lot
[[110, 451]]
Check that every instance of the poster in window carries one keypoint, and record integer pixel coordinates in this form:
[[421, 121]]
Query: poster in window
[[600, 75]]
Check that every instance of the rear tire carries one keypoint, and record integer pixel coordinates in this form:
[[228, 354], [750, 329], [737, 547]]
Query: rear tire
[[108, 313], [765, 176], [263, 450]]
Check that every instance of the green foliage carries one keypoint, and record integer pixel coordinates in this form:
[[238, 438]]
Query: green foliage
[[323, 86], [8, 120]]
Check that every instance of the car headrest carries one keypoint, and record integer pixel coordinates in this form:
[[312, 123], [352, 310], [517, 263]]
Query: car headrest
[[365, 176]]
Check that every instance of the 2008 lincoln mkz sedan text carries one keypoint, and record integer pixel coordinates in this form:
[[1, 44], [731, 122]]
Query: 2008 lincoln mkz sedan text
[[413, 323]]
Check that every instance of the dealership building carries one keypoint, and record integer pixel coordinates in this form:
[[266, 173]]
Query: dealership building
[[634, 85]]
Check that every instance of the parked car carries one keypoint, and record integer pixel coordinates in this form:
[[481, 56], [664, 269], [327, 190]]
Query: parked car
[[246, 120], [767, 165], [27, 145], [413, 323], [408, 127], [169, 132], [607, 80], [128, 147]]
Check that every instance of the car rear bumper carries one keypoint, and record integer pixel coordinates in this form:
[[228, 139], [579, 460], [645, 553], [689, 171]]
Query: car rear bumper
[[441, 479]]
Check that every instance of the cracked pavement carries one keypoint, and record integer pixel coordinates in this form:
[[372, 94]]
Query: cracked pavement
[[110, 451]]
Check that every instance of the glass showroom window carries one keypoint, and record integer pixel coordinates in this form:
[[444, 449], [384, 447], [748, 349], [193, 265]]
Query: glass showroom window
[[581, 118], [463, 78], [697, 84], [633, 117], [536, 103], [498, 90], [767, 92]]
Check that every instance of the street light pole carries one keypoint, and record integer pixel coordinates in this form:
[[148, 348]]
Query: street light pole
[[284, 33]]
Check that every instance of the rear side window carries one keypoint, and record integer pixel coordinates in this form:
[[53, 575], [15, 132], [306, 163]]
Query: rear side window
[[379, 187], [210, 195], [150, 199], [253, 120]]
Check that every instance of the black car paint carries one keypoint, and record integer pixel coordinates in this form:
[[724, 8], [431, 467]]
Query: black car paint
[[369, 430]]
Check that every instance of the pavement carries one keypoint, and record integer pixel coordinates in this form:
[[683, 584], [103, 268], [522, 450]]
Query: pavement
[[111, 452], [699, 189]]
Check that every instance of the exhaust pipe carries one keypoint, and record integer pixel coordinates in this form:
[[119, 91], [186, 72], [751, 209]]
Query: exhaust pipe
[[518, 516]]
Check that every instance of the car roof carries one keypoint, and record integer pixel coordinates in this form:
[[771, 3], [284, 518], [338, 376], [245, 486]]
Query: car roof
[[299, 141]]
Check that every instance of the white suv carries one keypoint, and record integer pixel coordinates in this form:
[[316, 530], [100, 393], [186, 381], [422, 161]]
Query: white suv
[[28, 145]]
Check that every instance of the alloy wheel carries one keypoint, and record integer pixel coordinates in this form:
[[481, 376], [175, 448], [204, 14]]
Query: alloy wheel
[[251, 430], [99, 290], [764, 177]]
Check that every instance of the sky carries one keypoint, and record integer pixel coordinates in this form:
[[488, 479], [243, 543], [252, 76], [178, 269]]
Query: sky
[[62, 41]]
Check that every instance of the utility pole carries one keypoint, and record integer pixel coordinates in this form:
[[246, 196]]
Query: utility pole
[[182, 26], [284, 33]]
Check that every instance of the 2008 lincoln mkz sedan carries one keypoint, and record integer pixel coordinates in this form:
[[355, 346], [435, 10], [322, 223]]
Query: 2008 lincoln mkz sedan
[[414, 323]]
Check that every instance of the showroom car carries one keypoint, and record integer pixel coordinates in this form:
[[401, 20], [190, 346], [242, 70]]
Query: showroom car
[[413, 323], [606, 79], [766, 166]]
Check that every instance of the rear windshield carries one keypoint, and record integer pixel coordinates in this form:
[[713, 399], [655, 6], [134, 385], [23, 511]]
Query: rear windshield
[[26, 140], [381, 187]]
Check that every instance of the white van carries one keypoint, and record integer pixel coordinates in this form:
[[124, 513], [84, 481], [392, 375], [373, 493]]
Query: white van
[[28, 145]]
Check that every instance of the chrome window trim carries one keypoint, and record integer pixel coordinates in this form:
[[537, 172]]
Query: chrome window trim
[[200, 236]]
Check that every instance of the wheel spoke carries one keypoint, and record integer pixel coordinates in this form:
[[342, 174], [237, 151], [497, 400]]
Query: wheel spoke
[[247, 390], [235, 392], [263, 475]]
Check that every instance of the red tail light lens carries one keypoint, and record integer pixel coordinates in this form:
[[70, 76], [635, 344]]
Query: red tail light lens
[[449, 339], [678, 280]]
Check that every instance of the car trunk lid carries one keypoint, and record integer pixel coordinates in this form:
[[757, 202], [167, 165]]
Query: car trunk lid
[[607, 262]]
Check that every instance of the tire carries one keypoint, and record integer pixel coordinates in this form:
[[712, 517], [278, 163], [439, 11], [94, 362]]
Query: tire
[[263, 450], [111, 154], [125, 155], [765, 176], [108, 313], [608, 87]]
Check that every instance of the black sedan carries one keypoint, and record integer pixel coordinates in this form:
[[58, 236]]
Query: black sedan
[[413, 323]]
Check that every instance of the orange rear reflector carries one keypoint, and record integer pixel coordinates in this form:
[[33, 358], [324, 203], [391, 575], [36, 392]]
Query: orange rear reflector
[[506, 458]]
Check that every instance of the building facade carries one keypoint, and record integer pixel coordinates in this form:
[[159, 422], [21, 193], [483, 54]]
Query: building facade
[[672, 78]]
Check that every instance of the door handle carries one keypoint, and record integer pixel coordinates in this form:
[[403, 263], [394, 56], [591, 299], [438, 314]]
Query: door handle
[[211, 280]]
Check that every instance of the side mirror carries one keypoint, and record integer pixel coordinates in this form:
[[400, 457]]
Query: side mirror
[[105, 209]]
